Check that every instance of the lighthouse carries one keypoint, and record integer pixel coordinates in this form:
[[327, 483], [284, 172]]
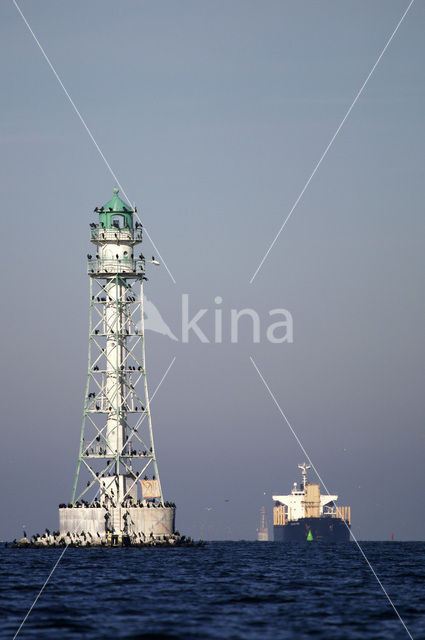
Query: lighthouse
[[117, 492]]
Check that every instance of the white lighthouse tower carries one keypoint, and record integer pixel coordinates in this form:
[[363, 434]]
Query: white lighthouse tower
[[117, 491]]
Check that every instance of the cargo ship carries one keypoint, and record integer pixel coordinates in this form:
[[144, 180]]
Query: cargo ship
[[304, 514]]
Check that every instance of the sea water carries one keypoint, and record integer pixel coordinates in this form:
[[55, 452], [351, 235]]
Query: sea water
[[229, 590]]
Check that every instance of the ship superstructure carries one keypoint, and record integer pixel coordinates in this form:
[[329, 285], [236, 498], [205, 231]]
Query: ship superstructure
[[117, 489], [305, 514]]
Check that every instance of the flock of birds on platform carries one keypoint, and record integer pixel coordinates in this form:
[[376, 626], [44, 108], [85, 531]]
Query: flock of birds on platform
[[101, 225], [87, 539], [109, 299], [131, 452], [125, 210], [129, 503], [117, 257], [107, 539], [124, 406]]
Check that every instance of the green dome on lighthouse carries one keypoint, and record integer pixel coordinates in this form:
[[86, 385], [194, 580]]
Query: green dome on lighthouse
[[115, 211], [116, 204]]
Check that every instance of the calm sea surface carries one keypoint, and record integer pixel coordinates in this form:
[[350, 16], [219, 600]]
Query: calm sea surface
[[245, 590]]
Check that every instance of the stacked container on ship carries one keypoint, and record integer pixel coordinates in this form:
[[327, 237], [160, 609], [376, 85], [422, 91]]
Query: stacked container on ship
[[304, 514]]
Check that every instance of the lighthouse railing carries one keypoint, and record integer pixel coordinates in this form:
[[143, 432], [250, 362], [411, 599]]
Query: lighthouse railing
[[122, 265], [121, 234]]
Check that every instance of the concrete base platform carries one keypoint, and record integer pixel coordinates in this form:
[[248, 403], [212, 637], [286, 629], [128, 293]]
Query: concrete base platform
[[137, 522]]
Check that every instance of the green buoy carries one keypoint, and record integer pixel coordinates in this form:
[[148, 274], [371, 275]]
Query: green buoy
[[309, 535]]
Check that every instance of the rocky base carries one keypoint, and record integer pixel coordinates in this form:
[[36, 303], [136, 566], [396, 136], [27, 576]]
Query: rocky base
[[111, 540]]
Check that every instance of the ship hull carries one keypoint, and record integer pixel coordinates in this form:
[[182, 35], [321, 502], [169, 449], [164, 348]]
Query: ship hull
[[321, 529]]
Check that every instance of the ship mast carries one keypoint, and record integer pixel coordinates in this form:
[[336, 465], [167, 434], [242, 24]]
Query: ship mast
[[304, 466]]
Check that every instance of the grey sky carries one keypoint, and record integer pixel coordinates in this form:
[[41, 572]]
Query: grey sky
[[213, 116]]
